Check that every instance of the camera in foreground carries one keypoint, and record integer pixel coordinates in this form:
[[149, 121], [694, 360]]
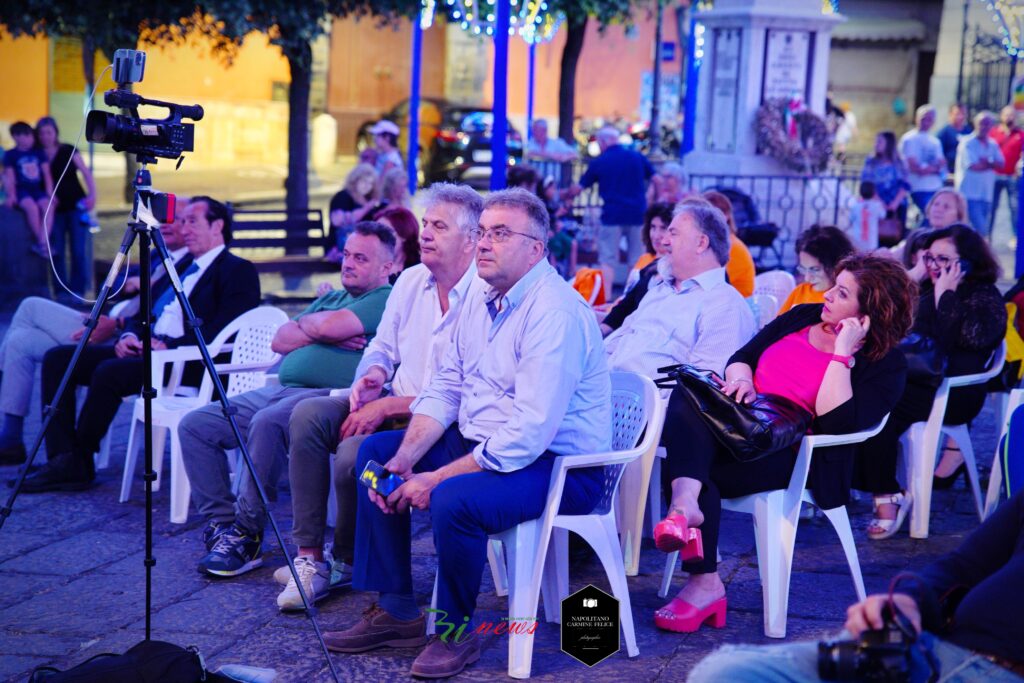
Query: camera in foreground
[[878, 655], [146, 138]]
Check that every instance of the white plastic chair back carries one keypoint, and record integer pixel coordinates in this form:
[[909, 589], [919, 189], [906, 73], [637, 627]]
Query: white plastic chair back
[[922, 441], [778, 283], [253, 331], [764, 306], [776, 516]]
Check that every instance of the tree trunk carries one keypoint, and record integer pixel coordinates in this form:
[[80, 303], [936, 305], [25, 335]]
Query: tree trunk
[[577, 27], [297, 184]]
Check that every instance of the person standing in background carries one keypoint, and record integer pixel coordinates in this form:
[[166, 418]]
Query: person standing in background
[[1009, 137], [954, 131], [925, 161], [977, 159]]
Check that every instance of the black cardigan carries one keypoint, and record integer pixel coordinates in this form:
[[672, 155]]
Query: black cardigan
[[877, 386]]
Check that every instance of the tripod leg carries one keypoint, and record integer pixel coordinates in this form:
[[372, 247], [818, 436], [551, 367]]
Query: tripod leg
[[50, 410], [229, 412]]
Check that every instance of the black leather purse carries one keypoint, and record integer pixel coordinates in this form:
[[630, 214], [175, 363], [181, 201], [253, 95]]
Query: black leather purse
[[748, 430], [926, 362]]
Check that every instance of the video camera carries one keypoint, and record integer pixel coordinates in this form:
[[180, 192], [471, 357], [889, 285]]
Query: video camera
[[877, 655], [146, 138]]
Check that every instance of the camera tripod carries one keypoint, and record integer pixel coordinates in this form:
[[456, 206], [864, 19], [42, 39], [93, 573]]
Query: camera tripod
[[144, 226]]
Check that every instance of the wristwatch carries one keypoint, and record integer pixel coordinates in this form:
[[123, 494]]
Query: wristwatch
[[848, 361]]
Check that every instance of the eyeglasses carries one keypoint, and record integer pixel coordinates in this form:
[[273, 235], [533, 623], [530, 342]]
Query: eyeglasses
[[940, 261], [498, 235], [813, 270]]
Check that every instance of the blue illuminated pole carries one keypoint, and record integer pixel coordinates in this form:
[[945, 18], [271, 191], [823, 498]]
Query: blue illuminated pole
[[414, 104], [1019, 231], [530, 66], [690, 103], [499, 133]]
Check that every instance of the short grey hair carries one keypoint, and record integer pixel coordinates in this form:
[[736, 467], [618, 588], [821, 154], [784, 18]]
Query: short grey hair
[[710, 221], [923, 111], [608, 134], [673, 169], [528, 203], [467, 202], [981, 115]]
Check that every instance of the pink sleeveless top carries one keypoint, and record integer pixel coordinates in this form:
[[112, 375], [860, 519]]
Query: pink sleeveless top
[[793, 368]]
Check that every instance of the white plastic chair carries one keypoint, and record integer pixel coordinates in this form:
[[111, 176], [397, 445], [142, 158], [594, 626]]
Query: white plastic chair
[[1008, 403], [639, 501], [778, 283], [776, 516], [251, 356], [764, 306], [921, 443], [537, 550]]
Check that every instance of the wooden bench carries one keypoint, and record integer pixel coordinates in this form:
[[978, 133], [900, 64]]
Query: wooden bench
[[280, 241]]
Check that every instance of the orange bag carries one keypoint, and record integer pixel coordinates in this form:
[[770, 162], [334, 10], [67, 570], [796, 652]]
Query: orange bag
[[589, 282]]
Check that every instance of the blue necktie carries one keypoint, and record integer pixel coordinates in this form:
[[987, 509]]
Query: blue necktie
[[168, 296]]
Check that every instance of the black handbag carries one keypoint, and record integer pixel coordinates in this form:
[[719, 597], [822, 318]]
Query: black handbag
[[926, 362], [748, 430]]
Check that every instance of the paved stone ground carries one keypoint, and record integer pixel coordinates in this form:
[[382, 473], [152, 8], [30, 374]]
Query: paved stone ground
[[72, 585]]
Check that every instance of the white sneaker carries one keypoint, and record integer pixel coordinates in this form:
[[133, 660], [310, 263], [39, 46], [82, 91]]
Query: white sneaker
[[341, 574], [316, 581]]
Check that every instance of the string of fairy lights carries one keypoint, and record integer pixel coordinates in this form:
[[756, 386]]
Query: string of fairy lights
[[531, 20], [1008, 16]]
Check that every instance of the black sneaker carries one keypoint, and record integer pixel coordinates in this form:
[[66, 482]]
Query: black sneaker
[[234, 552], [13, 454], [64, 472], [211, 533]]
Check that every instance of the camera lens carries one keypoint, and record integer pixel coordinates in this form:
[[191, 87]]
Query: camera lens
[[838, 660], [100, 126]]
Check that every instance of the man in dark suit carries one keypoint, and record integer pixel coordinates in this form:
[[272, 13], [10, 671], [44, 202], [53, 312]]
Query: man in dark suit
[[219, 285]]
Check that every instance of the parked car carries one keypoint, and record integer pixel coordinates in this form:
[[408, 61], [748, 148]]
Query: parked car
[[455, 140]]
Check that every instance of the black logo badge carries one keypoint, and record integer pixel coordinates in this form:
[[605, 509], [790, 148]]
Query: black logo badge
[[590, 625]]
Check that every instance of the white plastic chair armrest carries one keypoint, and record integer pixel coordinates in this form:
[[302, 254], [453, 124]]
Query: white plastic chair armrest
[[182, 353], [998, 359], [568, 462], [825, 440], [341, 393], [230, 368], [273, 381]]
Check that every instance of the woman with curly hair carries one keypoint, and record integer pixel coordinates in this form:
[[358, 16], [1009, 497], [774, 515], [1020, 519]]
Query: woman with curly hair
[[839, 361], [963, 312]]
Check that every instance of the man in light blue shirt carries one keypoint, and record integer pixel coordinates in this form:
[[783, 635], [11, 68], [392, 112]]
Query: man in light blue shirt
[[690, 314], [523, 381]]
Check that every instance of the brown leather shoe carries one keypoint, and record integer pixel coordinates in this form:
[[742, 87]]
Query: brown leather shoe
[[376, 629], [441, 660]]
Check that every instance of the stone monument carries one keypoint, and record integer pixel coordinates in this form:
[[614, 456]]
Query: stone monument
[[755, 50]]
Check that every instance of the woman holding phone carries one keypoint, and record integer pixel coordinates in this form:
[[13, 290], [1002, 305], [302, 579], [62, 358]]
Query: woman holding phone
[[963, 312], [839, 361]]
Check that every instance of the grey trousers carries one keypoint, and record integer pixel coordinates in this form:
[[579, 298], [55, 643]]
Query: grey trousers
[[315, 449], [262, 417], [38, 326]]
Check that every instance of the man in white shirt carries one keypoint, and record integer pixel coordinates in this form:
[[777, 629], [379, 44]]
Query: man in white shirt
[[524, 381], [690, 314], [220, 287], [978, 157], [548, 154], [40, 325], [925, 161], [413, 335]]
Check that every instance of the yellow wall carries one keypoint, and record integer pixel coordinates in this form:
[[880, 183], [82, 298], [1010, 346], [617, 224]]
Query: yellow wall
[[25, 88]]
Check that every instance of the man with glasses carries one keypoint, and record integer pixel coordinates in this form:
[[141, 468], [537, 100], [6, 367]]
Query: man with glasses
[[326, 431], [523, 382]]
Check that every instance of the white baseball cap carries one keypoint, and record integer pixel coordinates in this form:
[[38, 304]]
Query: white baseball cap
[[384, 126]]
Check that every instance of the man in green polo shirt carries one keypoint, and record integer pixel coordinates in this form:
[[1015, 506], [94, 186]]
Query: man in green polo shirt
[[321, 347]]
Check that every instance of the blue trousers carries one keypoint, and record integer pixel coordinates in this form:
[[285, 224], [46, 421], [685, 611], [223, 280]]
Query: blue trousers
[[464, 511], [68, 229]]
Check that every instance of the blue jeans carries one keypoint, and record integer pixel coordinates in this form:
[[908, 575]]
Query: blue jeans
[[979, 215], [68, 228], [464, 511], [1009, 184], [798, 663]]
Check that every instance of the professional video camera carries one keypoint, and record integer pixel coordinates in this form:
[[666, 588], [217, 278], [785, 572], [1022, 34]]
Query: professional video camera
[[878, 655], [146, 138]]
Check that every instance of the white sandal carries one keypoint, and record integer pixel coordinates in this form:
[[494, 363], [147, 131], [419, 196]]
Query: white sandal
[[889, 527]]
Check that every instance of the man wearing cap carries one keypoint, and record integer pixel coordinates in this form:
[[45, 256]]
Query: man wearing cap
[[385, 143]]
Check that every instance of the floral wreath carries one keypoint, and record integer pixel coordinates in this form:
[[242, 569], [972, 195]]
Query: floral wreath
[[796, 137]]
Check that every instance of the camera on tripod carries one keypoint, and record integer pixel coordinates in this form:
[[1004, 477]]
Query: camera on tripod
[[146, 138], [877, 655]]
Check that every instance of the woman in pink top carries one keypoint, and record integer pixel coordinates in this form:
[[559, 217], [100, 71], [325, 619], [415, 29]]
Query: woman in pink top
[[839, 360]]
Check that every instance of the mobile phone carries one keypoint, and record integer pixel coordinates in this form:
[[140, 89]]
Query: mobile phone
[[965, 266], [376, 478]]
